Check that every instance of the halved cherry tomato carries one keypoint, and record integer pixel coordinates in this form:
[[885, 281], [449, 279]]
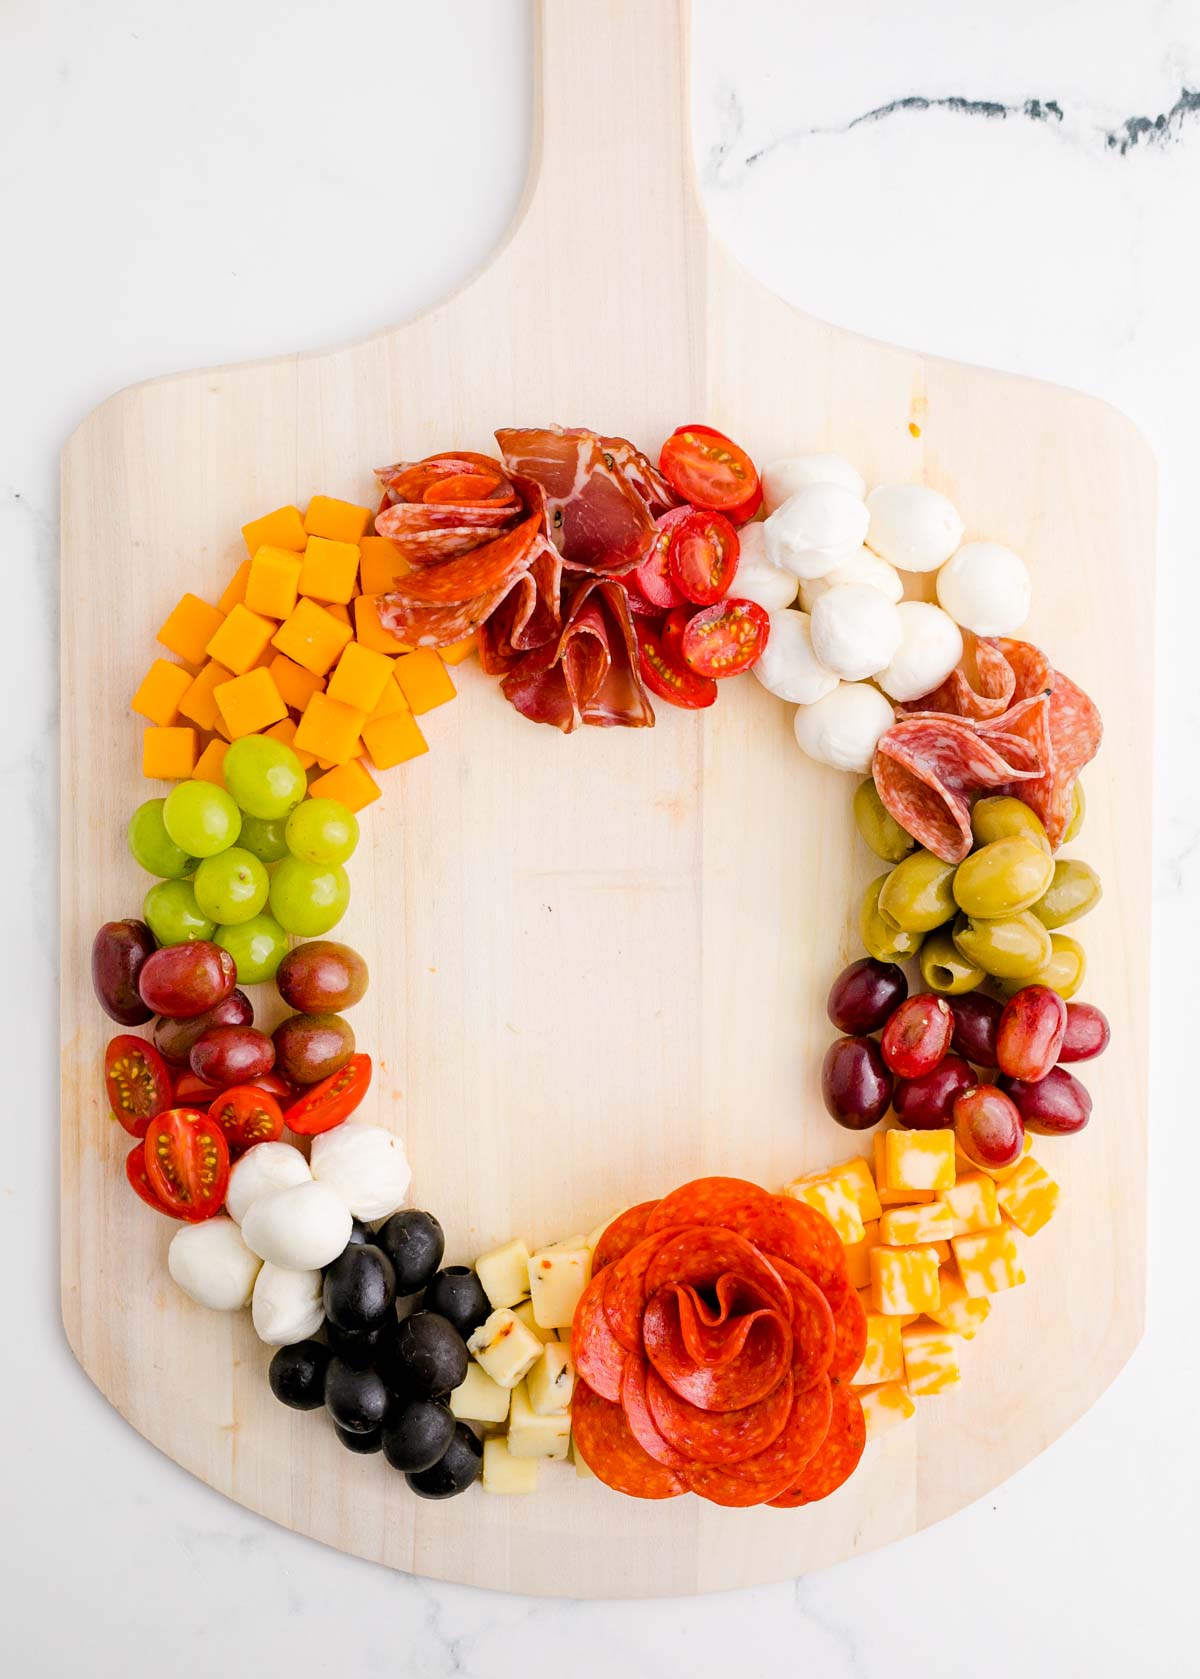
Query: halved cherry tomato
[[135, 1171], [652, 577], [327, 1104], [702, 557], [706, 468], [187, 1163], [275, 1085], [193, 1092], [247, 1116], [137, 1082], [671, 634], [726, 639], [665, 678]]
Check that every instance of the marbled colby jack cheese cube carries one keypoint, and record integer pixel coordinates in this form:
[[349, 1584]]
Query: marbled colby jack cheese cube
[[901, 1227], [919, 1159], [972, 1203], [858, 1267], [884, 1407], [904, 1280], [834, 1200], [988, 1261], [883, 1358], [930, 1358], [956, 1310], [1029, 1196]]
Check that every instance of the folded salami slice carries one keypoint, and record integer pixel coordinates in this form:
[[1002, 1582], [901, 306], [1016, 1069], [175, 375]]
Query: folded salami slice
[[761, 1479], [929, 767], [1075, 730], [990, 696], [603, 1439], [529, 617]]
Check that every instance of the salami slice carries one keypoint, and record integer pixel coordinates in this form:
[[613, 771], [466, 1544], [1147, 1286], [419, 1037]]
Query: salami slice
[[605, 1442], [928, 767], [625, 1231], [701, 1256], [990, 696], [836, 1459], [754, 1353], [718, 1436], [760, 1479], [1031, 671], [436, 626], [625, 1291], [1075, 731], [412, 518], [814, 1326], [496, 565], [429, 547], [849, 1335], [599, 1357], [641, 1423]]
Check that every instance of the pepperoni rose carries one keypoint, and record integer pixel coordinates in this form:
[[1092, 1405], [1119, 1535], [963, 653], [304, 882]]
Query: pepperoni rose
[[714, 1344]]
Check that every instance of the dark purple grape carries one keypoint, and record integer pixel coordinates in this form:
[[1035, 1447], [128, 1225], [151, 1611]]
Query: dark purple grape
[[228, 1055], [1056, 1106], [927, 1103], [855, 1083], [865, 994], [173, 1039], [120, 950], [976, 1023]]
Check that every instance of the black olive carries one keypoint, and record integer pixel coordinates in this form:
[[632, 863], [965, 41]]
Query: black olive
[[415, 1243], [454, 1471], [418, 1435], [457, 1293], [357, 1400], [430, 1357], [297, 1375], [360, 1287], [360, 1233], [363, 1348], [371, 1441]]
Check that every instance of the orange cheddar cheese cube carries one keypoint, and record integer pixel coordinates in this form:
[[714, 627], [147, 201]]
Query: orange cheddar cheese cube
[[1029, 1196], [339, 610], [249, 704], [886, 1195], [241, 640], [208, 764], [160, 691], [296, 685], [272, 586], [189, 628], [930, 1221], [919, 1159], [885, 1406], [858, 1265], [329, 570], [370, 631], [833, 1201], [199, 703], [458, 650], [964, 1163], [341, 521], [282, 529], [424, 680], [988, 1261], [393, 739], [930, 1358], [903, 1280], [391, 699], [353, 784], [285, 732], [380, 565], [359, 677], [168, 754], [330, 730], [971, 1200], [311, 638], [883, 1357], [956, 1310], [235, 589]]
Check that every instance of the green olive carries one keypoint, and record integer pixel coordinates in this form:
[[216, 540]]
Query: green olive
[[878, 826], [1074, 890], [1000, 818], [884, 942], [1003, 877], [1062, 973], [1078, 812], [918, 895], [944, 969], [1015, 947]]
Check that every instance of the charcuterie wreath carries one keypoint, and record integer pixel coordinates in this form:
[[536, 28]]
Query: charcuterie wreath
[[727, 1340]]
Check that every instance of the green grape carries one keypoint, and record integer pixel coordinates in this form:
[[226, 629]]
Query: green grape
[[264, 776], [257, 946], [232, 887], [262, 839], [308, 898], [322, 831], [172, 914], [152, 846], [201, 818]]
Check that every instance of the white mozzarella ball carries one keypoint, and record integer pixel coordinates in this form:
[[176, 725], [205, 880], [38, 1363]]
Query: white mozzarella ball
[[287, 1305], [855, 631], [263, 1169], [931, 645], [914, 527], [212, 1264], [784, 478], [844, 728], [863, 567], [816, 529], [365, 1166], [787, 665], [986, 588], [757, 579], [300, 1228]]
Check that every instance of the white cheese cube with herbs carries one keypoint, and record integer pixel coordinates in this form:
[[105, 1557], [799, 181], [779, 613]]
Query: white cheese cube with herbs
[[477, 1398], [557, 1277], [525, 1312], [551, 1382], [532, 1436], [504, 1347], [504, 1473], [503, 1273]]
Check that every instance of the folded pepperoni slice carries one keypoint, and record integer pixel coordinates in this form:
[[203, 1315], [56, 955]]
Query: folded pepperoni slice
[[755, 1352], [801, 1236], [849, 1335], [701, 1256], [625, 1231], [718, 1436], [599, 1357], [814, 1332], [708, 1201], [603, 1439], [625, 1292], [836, 1459], [714, 1328], [760, 1479], [641, 1423]]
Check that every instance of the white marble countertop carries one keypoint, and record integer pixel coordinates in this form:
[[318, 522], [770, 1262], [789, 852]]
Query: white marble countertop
[[1014, 184]]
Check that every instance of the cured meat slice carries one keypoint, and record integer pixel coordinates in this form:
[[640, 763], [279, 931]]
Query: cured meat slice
[[598, 522], [928, 767], [799, 1235], [836, 1459], [760, 1479], [753, 1351], [599, 1356], [603, 1439], [714, 1329], [703, 1254], [641, 474], [437, 626], [591, 675], [704, 1436], [990, 695], [410, 518], [625, 1289], [1075, 729], [498, 565], [462, 476], [625, 1231], [426, 548], [849, 1335], [530, 615], [708, 1201], [814, 1326], [641, 1423]]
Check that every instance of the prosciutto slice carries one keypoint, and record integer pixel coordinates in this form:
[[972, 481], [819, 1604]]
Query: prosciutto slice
[[595, 517], [589, 674]]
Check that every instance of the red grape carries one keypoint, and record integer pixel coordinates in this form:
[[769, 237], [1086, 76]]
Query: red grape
[[927, 1103], [917, 1036], [184, 980], [173, 1039], [865, 994], [1087, 1033], [226, 1055], [1055, 1106], [976, 1021], [120, 950], [1031, 1032], [988, 1127], [855, 1083]]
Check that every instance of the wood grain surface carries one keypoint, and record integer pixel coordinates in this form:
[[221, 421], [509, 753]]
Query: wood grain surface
[[599, 963]]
